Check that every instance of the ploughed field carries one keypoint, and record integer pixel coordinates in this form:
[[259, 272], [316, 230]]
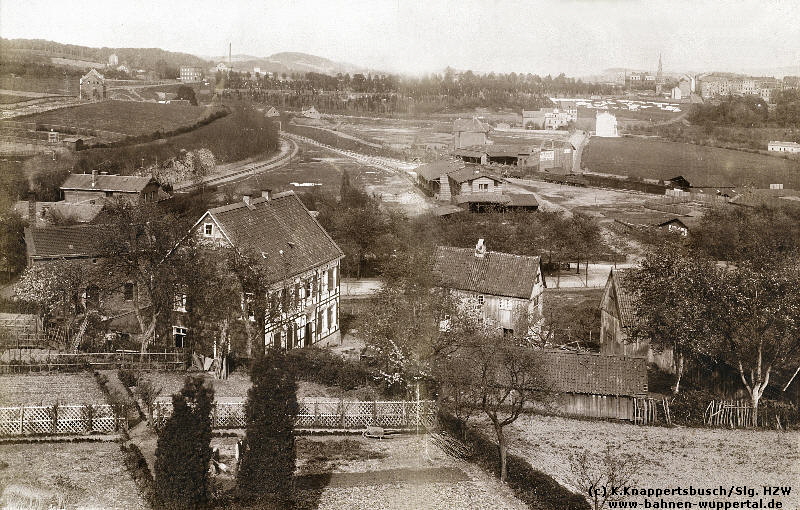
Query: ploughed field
[[652, 159], [672, 457], [49, 389], [127, 117], [66, 475]]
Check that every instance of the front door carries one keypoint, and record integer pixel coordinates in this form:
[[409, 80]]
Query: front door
[[308, 338]]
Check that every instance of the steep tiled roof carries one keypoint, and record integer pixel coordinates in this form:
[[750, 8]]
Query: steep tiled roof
[[267, 227], [72, 241], [497, 274], [483, 198], [119, 183], [436, 169], [523, 199], [625, 296], [472, 172], [472, 125]]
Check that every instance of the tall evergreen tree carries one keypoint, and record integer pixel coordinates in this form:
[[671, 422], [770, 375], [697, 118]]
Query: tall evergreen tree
[[268, 454], [183, 451]]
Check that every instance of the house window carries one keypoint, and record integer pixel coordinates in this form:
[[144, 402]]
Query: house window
[[330, 318], [179, 335], [331, 282], [483, 186], [208, 229], [128, 291], [505, 304], [309, 288], [481, 299], [180, 302]]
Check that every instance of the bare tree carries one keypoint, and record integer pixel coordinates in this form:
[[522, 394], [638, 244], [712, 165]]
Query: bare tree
[[493, 374], [602, 478]]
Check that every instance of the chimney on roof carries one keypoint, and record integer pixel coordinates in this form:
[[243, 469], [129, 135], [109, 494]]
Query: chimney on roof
[[480, 249], [246, 198], [266, 194], [94, 177]]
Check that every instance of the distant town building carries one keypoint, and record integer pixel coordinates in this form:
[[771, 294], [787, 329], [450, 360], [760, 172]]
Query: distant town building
[[221, 67], [113, 60], [310, 113], [550, 118], [791, 147], [606, 125], [93, 86], [468, 132], [676, 93], [88, 187], [191, 74], [272, 112]]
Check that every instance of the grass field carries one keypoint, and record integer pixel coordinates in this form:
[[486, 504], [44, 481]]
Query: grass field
[[79, 475], [49, 85], [11, 98], [673, 457], [130, 118], [34, 389], [663, 160]]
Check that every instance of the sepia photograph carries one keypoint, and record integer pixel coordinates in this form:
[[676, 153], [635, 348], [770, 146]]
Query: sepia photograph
[[399, 254]]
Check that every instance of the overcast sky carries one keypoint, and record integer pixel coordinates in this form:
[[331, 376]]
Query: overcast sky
[[417, 36]]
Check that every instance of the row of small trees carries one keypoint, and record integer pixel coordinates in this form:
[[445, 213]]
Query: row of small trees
[[267, 457]]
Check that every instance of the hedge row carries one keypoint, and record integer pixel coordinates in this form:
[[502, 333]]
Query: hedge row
[[538, 490], [140, 472], [324, 367]]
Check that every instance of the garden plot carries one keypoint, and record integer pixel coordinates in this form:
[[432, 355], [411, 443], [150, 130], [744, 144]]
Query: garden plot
[[403, 472], [673, 457], [234, 388], [49, 389], [77, 475]]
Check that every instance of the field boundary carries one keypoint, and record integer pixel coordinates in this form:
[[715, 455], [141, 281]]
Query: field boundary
[[60, 419], [324, 414]]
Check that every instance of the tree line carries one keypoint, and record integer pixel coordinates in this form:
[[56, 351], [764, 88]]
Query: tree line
[[727, 299], [750, 111]]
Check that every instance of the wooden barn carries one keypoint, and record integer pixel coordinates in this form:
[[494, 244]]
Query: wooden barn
[[617, 316]]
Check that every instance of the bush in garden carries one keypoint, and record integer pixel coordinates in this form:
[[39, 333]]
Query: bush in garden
[[127, 377], [183, 451], [268, 453]]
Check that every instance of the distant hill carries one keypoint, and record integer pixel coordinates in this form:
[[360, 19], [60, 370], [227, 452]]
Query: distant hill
[[289, 62], [39, 50]]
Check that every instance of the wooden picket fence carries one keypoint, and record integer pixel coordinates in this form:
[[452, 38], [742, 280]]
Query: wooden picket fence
[[324, 414], [61, 419], [646, 411], [23, 361], [729, 413]]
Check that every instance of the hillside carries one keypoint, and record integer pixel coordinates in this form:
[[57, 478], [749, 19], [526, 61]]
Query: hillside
[[292, 62], [38, 50]]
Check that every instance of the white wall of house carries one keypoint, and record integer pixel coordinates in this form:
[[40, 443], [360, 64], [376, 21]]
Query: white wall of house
[[481, 185]]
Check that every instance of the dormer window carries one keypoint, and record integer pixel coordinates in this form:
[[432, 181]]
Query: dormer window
[[208, 229]]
